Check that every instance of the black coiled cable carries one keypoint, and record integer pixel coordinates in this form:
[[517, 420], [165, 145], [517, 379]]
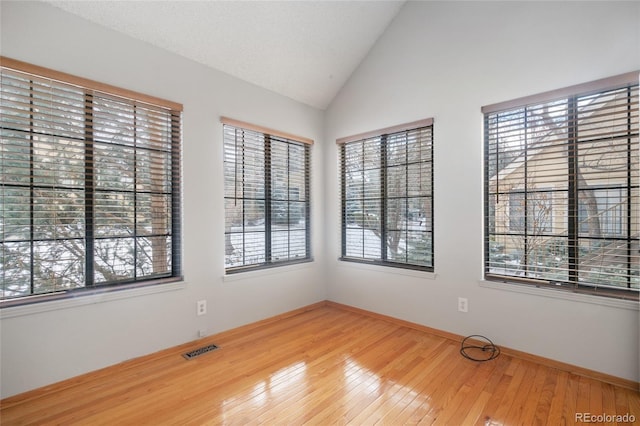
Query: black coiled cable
[[491, 350]]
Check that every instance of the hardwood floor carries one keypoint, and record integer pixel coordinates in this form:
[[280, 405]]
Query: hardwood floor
[[323, 366]]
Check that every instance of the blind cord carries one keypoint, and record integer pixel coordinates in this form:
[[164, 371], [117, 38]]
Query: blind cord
[[489, 348]]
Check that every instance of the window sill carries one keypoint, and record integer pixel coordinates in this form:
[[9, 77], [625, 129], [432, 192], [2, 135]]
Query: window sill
[[561, 294], [388, 269], [67, 301], [260, 272]]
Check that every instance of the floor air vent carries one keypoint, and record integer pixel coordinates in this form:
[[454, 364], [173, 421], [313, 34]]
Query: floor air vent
[[200, 351]]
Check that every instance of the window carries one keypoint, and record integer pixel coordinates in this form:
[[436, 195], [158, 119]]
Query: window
[[266, 195], [90, 184], [610, 211], [539, 211], [387, 196], [562, 182]]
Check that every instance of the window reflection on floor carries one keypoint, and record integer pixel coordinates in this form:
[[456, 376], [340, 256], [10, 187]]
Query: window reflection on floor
[[276, 389]]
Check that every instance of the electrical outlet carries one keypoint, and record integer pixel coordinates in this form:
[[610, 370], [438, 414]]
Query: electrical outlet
[[202, 332], [201, 308], [463, 304]]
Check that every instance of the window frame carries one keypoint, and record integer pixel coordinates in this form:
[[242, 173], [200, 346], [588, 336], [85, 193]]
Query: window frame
[[571, 95], [140, 105], [384, 135], [270, 139]]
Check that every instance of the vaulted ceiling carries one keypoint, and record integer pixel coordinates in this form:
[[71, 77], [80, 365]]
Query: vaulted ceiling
[[305, 50]]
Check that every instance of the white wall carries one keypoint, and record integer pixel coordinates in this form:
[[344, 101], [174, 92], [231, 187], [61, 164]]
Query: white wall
[[445, 60], [44, 347]]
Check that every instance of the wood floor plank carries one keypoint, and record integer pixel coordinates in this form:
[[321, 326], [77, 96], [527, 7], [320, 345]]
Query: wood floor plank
[[356, 377], [634, 406], [556, 410], [569, 408], [491, 413], [608, 398], [475, 412], [545, 399], [398, 372], [531, 402], [424, 400], [477, 385], [407, 395], [583, 397], [520, 399], [496, 387], [362, 373], [446, 391], [416, 401], [517, 371], [321, 366], [595, 396], [352, 377]]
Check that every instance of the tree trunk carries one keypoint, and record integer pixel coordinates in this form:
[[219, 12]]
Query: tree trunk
[[591, 204]]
